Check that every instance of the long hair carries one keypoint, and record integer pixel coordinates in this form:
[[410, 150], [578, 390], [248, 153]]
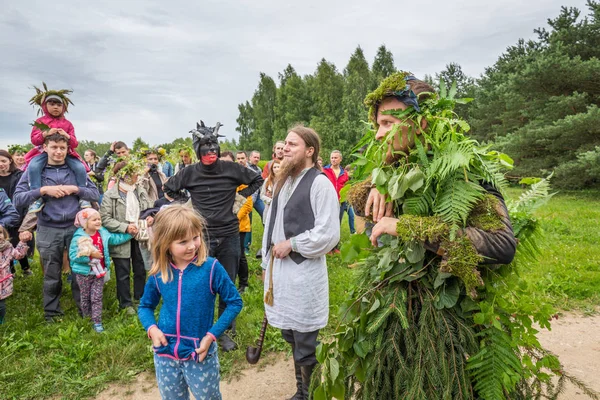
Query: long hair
[[310, 138], [271, 179], [13, 167], [175, 222]]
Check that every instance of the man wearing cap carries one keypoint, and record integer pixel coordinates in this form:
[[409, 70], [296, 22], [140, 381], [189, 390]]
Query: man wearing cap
[[212, 185]]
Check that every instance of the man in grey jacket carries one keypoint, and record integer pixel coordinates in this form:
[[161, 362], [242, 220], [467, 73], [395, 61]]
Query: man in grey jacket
[[55, 222]]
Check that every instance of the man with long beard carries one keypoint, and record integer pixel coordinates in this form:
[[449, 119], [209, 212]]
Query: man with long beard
[[301, 227], [212, 185]]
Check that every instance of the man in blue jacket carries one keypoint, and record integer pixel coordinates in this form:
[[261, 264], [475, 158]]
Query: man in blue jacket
[[9, 217], [55, 222]]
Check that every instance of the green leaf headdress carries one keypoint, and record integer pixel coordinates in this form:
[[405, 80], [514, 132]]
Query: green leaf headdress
[[40, 96], [144, 152], [134, 166], [17, 148], [396, 85]]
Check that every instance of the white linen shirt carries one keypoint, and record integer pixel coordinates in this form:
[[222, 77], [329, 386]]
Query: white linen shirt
[[301, 291]]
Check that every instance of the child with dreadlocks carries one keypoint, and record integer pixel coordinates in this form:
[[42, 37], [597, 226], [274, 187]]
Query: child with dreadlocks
[[54, 104]]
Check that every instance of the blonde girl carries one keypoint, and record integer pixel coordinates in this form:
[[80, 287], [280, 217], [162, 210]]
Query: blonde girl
[[187, 280]]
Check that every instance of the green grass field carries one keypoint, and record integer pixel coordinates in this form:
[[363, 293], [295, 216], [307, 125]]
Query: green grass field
[[69, 360]]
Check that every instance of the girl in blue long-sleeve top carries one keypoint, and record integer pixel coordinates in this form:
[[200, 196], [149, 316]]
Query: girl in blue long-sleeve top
[[185, 352]]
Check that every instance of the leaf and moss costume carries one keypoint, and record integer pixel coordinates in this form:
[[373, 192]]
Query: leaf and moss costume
[[434, 314]]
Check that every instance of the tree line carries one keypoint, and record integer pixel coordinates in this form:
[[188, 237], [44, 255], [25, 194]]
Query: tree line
[[538, 102]]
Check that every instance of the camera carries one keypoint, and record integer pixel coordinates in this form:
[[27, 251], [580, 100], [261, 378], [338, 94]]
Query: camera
[[153, 167]]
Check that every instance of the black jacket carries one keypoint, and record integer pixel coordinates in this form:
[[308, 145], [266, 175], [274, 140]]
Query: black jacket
[[212, 189]]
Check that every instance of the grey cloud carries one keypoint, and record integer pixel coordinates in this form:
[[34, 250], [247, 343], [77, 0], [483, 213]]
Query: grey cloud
[[152, 68]]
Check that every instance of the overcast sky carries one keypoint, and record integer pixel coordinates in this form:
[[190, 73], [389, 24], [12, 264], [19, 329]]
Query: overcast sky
[[152, 68]]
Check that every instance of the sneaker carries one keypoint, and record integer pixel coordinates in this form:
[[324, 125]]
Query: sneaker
[[130, 311], [242, 289], [53, 319], [36, 206], [98, 328], [27, 272], [85, 204]]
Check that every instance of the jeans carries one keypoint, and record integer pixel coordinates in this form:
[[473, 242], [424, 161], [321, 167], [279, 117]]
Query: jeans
[[51, 244], [123, 267], [346, 207], [227, 251], [259, 206], [175, 377], [37, 164]]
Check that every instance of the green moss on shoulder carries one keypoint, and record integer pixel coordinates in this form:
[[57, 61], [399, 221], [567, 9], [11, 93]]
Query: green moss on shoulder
[[485, 215]]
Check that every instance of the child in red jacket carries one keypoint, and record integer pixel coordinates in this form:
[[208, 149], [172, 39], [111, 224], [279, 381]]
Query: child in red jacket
[[54, 105]]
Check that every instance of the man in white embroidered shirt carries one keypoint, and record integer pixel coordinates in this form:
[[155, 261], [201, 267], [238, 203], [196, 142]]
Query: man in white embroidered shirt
[[302, 226]]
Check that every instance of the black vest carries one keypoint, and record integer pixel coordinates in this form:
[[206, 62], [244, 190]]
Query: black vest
[[298, 215]]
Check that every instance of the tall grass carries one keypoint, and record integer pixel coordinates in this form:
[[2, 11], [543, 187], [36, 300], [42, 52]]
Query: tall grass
[[68, 360]]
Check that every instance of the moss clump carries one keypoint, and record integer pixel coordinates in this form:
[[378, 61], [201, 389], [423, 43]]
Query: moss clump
[[459, 256], [461, 260], [422, 229], [393, 83], [486, 214], [357, 196]]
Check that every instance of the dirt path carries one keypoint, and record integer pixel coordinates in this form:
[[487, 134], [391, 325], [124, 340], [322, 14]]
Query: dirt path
[[575, 339]]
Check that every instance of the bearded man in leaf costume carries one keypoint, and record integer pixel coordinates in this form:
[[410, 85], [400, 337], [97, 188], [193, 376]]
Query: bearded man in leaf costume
[[434, 314]]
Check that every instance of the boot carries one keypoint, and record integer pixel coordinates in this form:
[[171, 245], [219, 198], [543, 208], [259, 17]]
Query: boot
[[306, 375], [226, 343], [298, 395]]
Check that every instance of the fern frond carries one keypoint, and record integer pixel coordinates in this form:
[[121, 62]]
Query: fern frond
[[452, 156], [455, 200], [495, 369], [420, 203]]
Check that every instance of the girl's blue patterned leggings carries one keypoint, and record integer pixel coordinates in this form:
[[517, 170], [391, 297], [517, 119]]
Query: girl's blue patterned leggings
[[175, 377]]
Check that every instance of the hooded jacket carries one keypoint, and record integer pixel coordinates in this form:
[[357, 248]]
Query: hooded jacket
[[337, 181], [187, 311], [9, 217], [57, 212], [60, 122], [81, 265]]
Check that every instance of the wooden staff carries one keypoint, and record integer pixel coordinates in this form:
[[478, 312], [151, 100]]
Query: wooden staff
[[253, 353]]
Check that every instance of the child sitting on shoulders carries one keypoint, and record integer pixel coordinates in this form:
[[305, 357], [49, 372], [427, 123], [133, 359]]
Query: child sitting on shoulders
[[54, 104], [188, 281], [90, 282], [8, 253]]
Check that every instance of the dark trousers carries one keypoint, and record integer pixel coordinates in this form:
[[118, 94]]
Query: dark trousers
[[227, 251], [304, 345], [51, 244], [123, 267], [2, 310], [243, 268]]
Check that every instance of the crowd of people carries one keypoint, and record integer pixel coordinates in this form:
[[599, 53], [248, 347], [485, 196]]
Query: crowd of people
[[184, 232], [87, 213]]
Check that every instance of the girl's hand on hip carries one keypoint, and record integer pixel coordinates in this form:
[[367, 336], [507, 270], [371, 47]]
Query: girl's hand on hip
[[202, 351], [158, 337], [385, 225]]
